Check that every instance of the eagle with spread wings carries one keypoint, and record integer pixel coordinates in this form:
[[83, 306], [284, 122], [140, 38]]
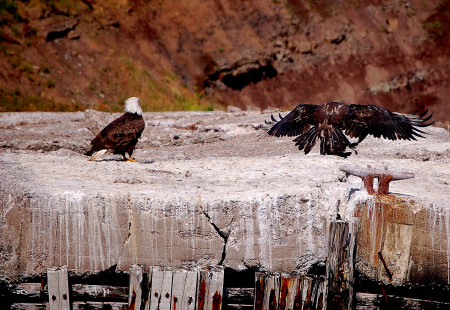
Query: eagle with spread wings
[[333, 122]]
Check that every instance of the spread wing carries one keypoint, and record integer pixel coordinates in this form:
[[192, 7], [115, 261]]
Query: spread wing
[[373, 120], [295, 123], [119, 133]]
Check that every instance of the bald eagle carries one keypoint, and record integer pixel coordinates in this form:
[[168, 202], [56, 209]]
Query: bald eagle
[[121, 135], [332, 122]]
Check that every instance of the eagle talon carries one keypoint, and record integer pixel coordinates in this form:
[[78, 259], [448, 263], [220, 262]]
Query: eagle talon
[[353, 146], [131, 159]]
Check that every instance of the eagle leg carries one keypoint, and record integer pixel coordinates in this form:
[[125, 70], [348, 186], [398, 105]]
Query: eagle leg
[[353, 147], [344, 154]]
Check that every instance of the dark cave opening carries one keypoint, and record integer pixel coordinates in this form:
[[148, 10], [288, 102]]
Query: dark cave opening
[[254, 75]]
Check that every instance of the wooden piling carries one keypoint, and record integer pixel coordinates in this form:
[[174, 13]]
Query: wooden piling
[[288, 290], [135, 291], [210, 288], [184, 289], [340, 264], [259, 291], [272, 290], [58, 288], [161, 291], [267, 291]]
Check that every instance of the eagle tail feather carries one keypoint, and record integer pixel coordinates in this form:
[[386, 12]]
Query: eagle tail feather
[[333, 142], [98, 155], [307, 140]]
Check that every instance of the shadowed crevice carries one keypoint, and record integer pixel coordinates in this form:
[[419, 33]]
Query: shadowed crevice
[[222, 234]]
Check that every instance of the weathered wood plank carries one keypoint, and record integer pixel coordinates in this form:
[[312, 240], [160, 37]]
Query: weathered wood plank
[[313, 293], [161, 288], [307, 292], [239, 296], [271, 292], [239, 307], [340, 264], [297, 303], [376, 301], [85, 291], [166, 290], [94, 305], [210, 288], [321, 295], [259, 291], [99, 291], [147, 299], [288, 289], [28, 290], [58, 288], [29, 306], [184, 289], [135, 288], [156, 287]]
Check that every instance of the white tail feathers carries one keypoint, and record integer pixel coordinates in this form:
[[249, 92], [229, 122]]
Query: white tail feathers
[[98, 155]]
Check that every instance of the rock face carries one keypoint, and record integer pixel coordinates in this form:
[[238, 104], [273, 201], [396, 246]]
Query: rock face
[[207, 190], [61, 30], [253, 53]]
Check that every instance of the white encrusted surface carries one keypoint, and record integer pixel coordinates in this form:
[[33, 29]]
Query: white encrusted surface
[[200, 178]]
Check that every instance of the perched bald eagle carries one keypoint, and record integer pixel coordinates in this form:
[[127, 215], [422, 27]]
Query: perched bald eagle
[[332, 122], [122, 134]]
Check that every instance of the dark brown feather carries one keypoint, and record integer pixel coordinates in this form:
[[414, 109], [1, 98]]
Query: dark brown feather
[[328, 122], [295, 123], [120, 136], [373, 120]]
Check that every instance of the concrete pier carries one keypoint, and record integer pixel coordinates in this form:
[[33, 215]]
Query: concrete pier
[[207, 190]]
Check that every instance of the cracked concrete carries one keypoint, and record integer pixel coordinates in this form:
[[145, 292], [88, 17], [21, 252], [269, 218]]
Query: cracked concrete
[[216, 194], [222, 234]]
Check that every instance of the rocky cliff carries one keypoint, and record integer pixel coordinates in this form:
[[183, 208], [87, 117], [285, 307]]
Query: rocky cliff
[[73, 55]]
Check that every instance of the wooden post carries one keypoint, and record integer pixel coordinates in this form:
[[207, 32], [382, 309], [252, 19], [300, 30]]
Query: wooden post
[[272, 291], [298, 295], [184, 289], [340, 264], [259, 291], [135, 292], [58, 288], [288, 290], [210, 288], [267, 291], [307, 292], [161, 291], [148, 283], [321, 294]]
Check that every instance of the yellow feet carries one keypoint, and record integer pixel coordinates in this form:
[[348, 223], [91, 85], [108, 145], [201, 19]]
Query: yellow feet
[[131, 159]]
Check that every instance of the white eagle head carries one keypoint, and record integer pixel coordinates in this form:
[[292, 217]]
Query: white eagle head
[[133, 105]]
